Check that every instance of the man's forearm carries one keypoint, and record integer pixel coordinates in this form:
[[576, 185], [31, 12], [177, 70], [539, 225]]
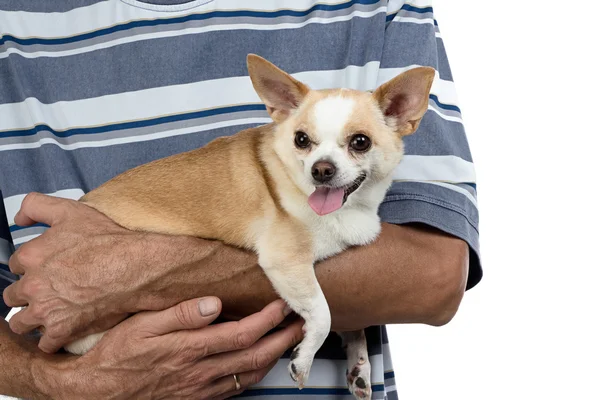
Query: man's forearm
[[408, 275], [16, 356]]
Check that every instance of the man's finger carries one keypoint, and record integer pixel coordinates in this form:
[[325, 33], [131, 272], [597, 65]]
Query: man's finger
[[191, 314], [225, 387], [13, 295], [37, 207], [23, 322], [230, 336], [258, 356]]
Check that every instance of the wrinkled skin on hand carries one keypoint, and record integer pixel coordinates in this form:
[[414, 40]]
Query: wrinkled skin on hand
[[83, 265], [173, 354]]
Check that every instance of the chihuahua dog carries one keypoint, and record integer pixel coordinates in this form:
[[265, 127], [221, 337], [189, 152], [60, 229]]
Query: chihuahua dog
[[311, 184]]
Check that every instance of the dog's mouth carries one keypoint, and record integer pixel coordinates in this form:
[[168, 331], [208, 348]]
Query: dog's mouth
[[354, 186], [325, 200]]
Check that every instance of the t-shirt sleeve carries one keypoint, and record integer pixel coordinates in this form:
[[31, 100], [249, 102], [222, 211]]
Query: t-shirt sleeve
[[435, 183]]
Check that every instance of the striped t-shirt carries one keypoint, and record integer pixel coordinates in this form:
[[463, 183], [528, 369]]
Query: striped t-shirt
[[91, 88]]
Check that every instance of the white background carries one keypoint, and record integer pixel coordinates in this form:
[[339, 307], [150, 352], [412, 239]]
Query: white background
[[527, 74]]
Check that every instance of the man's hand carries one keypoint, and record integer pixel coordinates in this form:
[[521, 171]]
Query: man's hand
[[76, 274], [172, 354]]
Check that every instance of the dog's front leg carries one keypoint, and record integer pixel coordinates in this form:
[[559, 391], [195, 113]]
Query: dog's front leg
[[285, 254], [358, 375]]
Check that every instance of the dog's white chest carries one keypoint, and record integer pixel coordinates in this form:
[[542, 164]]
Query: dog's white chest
[[336, 232]]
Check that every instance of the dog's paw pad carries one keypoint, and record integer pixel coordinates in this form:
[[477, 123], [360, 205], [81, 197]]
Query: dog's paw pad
[[359, 382]]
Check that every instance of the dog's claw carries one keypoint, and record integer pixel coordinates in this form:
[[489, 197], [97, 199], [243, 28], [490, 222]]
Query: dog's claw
[[358, 382]]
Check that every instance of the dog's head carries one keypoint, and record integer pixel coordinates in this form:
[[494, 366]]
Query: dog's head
[[338, 143]]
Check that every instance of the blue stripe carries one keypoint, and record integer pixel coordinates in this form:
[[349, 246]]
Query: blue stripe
[[193, 17], [16, 228], [389, 375], [441, 105], [133, 124], [305, 391], [410, 8], [160, 120]]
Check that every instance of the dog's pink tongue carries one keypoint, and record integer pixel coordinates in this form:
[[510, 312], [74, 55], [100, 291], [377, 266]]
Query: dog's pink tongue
[[326, 200]]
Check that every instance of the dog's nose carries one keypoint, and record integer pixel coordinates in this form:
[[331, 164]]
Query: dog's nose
[[323, 171]]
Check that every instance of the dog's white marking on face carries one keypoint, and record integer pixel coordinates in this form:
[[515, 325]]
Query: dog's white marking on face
[[331, 116]]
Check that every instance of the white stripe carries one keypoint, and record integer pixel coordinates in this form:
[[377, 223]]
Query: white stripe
[[458, 189], [132, 139], [149, 103], [25, 239], [109, 13], [391, 388], [450, 186], [435, 168], [400, 18], [444, 116], [395, 5], [13, 203], [188, 31]]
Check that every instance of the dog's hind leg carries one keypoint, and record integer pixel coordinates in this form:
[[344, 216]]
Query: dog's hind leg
[[285, 254], [359, 367]]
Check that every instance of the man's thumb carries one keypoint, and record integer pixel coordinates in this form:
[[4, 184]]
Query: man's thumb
[[190, 314]]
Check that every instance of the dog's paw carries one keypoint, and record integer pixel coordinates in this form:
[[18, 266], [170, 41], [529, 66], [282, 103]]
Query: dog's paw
[[359, 380], [299, 367]]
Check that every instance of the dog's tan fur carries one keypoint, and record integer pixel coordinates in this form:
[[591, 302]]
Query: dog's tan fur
[[242, 189]]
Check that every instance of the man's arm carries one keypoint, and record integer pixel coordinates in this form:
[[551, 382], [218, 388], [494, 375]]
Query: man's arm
[[16, 357], [86, 273], [410, 274]]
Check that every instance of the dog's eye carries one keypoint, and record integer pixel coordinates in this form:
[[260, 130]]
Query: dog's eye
[[301, 140], [360, 142]]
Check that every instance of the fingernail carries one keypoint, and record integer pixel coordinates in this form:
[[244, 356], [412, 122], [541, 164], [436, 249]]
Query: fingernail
[[287, 310], [207, 306]]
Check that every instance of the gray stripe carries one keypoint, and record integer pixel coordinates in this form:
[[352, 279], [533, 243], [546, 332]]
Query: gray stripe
[[45, 5], [438, 137], [393, 395], [450, 113], [443, 63], [435, 136], [400, 191], [35, 230], [166, 2], [408, 44], [316, 47], [49, 168], [136, 131], [415, 15], [469, 189], [185, 25], [36, 169], [6, 250]]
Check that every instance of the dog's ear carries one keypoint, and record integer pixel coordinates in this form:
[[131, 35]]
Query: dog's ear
[[404, 99], [278, 90]]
